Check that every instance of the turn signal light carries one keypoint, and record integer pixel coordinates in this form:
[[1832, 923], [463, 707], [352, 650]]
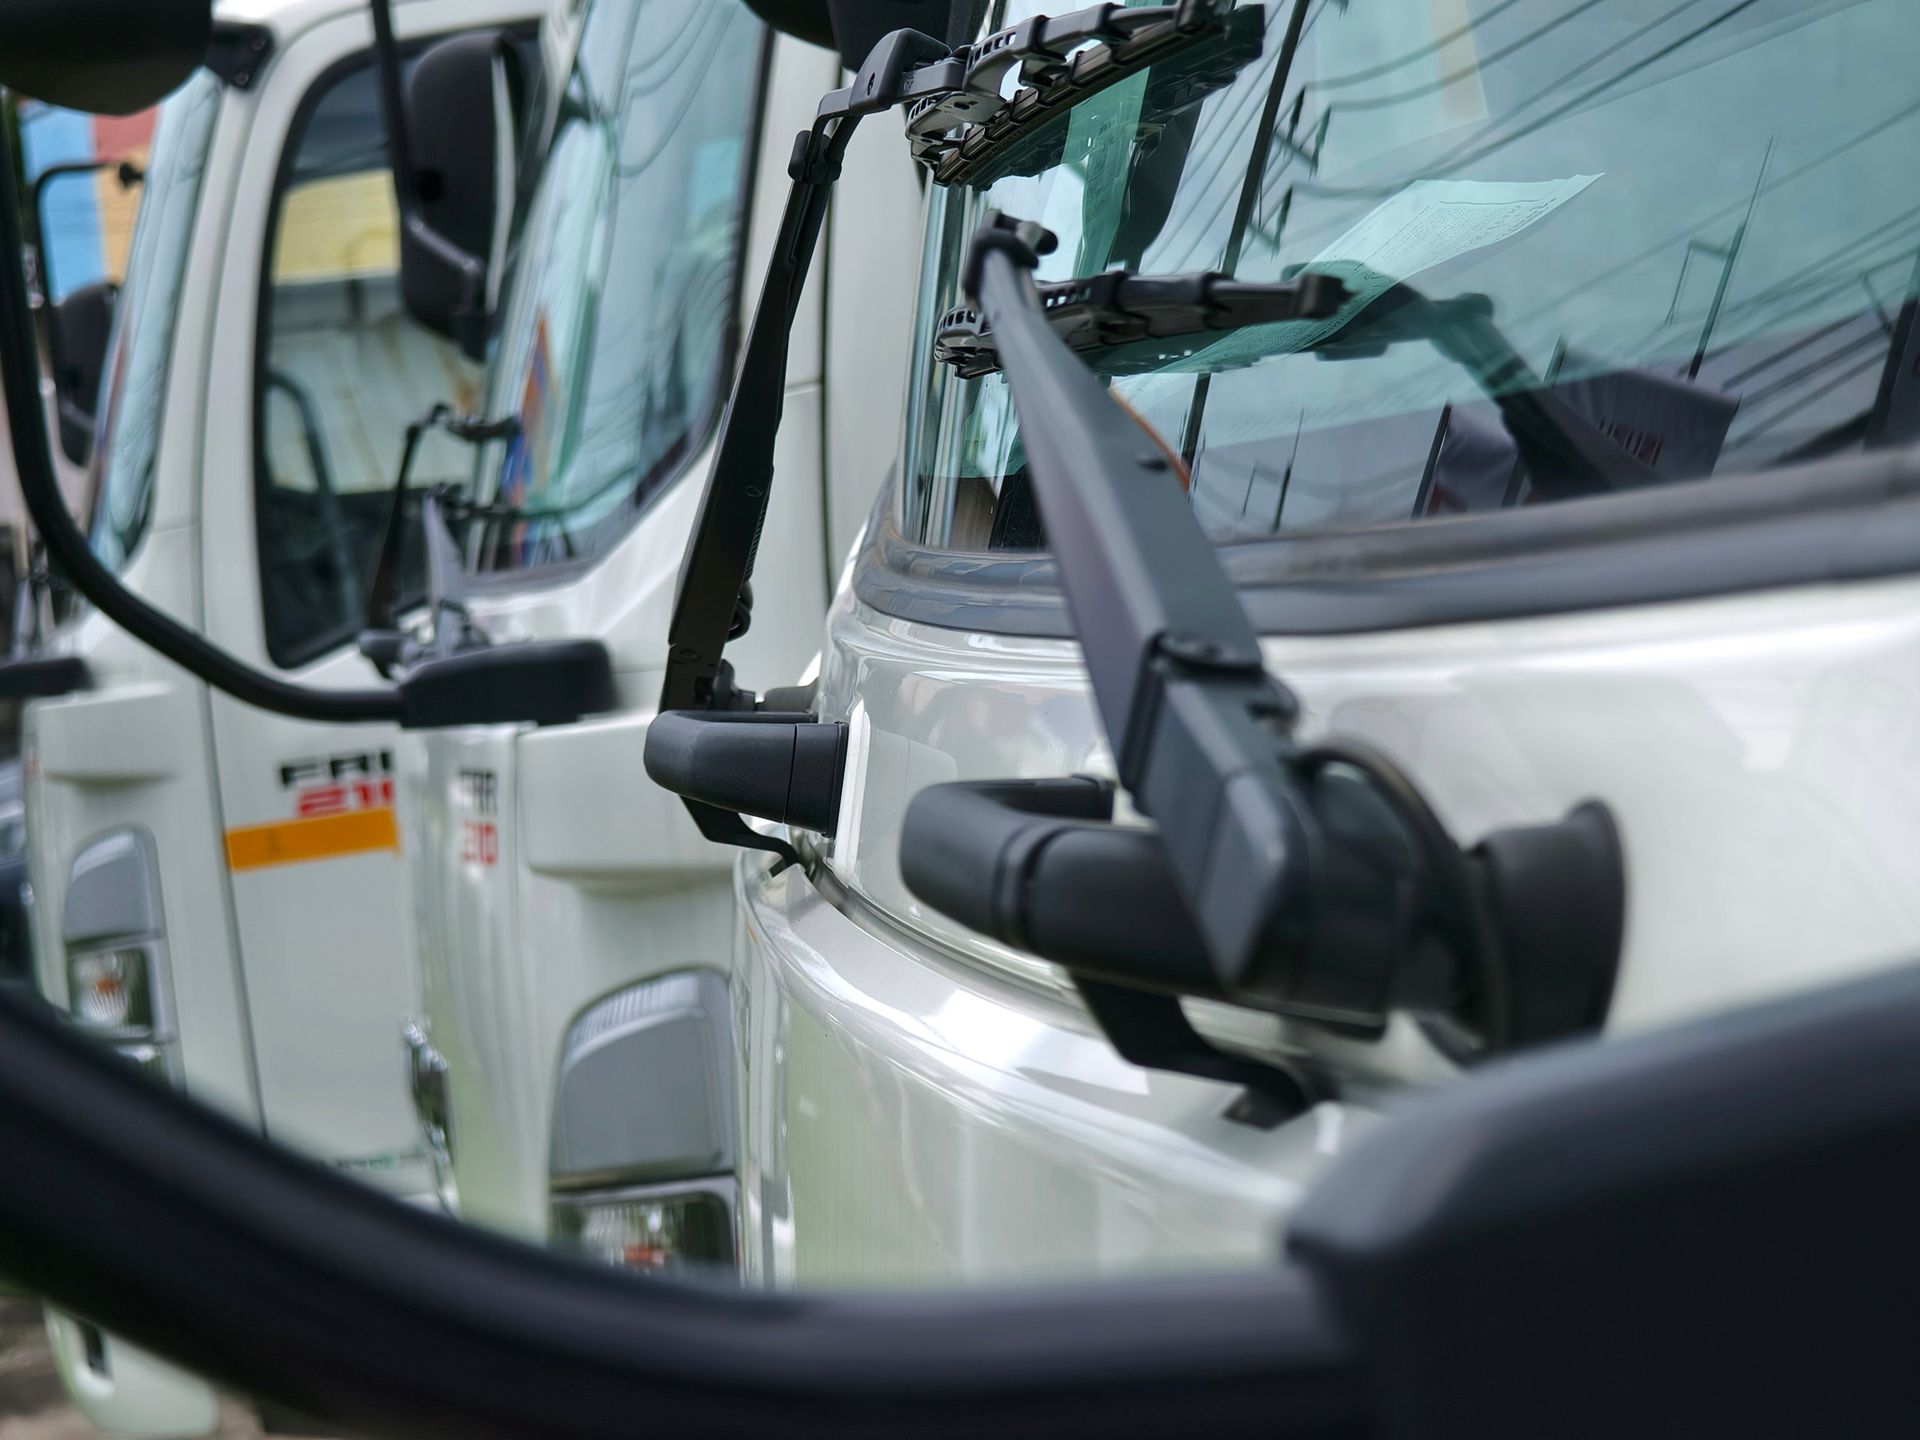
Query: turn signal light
[[111, 990]]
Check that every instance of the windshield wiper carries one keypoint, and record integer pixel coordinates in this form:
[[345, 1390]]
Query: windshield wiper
[[1309, 879], [1120, 315], [1117, 308]]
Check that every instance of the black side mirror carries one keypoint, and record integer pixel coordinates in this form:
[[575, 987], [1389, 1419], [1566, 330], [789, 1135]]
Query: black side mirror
[[78, 325], [77, 331], [453, 172], [105, 56]]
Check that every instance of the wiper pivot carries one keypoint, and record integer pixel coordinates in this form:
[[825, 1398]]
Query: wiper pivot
[[1118, 308]]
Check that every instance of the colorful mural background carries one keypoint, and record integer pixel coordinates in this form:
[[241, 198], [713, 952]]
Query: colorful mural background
[[88, 218]]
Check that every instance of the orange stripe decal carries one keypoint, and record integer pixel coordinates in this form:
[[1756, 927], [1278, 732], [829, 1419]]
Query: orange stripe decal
[[322, 838]]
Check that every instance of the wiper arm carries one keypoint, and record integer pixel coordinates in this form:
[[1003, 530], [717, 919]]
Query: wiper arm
[[904, 68], [1315, 880], [1568, 455], [955, 115]]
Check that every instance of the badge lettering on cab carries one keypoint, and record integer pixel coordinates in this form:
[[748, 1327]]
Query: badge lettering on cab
[[340, 784]]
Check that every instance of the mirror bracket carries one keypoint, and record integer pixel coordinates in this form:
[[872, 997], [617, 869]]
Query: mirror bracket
[[239, 52]]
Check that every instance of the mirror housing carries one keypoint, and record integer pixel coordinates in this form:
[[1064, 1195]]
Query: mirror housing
[[77, 331], [457, 96], [108, 57]]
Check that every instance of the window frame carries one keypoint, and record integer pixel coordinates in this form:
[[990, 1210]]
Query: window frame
[[322, 85]]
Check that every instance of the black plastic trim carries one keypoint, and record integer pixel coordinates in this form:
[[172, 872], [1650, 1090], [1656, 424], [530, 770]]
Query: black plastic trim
[[1857, 518], [1695, 1232], [539, 682], [266, 1272], [238, 52], [780, 766], [44, 677]]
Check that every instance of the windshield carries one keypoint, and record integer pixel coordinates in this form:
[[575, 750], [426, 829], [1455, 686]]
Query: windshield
[[618, 338], [1679, 220], [134, 387]]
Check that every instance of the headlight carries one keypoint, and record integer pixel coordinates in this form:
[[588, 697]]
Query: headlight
[[112, 990], [662, 1229]]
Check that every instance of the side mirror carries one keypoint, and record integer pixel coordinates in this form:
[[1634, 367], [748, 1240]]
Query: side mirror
[[78, 324], [460, 104], [77, 331], [104, 56]]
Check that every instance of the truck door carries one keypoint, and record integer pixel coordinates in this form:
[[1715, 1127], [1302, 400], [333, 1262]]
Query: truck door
[[318, 369]]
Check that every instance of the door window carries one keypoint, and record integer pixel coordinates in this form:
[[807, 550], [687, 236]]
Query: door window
[[134, 389], [342, 371]]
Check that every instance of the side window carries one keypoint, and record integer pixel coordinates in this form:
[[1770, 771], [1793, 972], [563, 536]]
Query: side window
[[342, 371], [618, 338], [134, 387]]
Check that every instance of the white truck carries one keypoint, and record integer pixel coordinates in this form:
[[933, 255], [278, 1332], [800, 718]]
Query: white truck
[[217, 888], [271, 970]]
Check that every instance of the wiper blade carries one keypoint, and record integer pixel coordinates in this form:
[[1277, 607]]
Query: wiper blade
[[1117, 309], [712, 605], [970, 135], [1120, 316]]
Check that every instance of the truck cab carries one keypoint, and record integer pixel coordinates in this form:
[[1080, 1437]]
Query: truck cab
[[218, 890], [575, 927]]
